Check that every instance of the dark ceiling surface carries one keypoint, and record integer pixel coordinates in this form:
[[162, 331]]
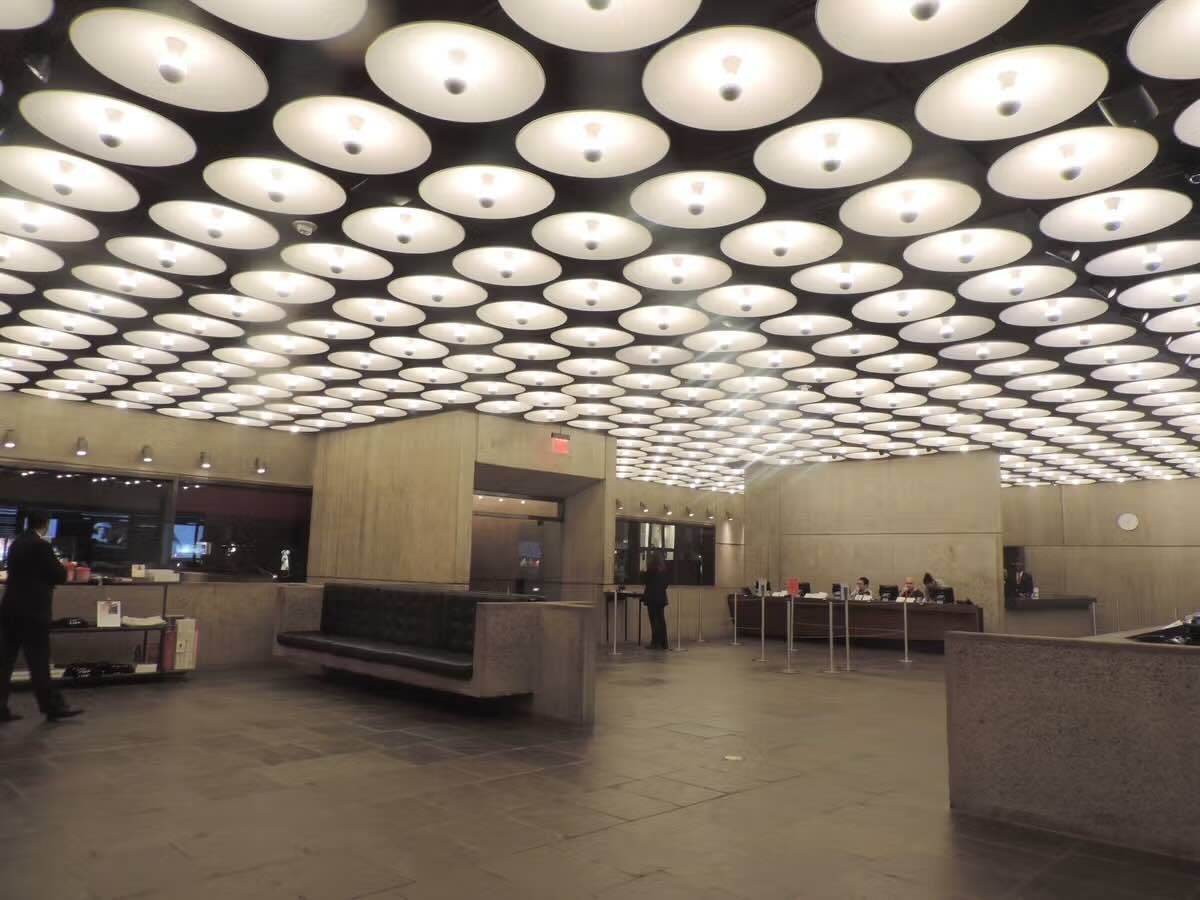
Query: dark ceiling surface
[[574, 79]]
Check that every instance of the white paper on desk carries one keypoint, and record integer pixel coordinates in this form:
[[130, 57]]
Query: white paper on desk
[[108, 613]]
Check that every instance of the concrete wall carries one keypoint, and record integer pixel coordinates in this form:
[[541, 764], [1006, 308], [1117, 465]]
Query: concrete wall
[[886, 519], [47, 431], [1073, 545], [1095, 738]]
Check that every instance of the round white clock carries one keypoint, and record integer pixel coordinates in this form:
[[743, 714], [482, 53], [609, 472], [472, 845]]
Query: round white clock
[[1127, 521]]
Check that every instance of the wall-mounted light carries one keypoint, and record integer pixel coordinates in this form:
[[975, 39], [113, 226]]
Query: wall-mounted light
[[644, 507], [688, 510], [205, 462], [81, 447], [667, 510], [10, 439], [728, 517], [620, 504], [260, 466], [708, 514], [147, 453]]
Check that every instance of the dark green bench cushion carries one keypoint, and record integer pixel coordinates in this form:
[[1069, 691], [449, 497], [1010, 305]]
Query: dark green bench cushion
[[438, 662]]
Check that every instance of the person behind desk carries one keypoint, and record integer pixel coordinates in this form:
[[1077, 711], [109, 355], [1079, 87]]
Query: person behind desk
[[932, 585], [909, 592], [655, 598], [862, 590], [25, 613], [1024, 583]]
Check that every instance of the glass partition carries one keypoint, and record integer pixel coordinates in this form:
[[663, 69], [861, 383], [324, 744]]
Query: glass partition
[[688, 551]]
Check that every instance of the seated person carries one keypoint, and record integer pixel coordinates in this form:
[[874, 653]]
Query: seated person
[[931, 584], [909, 592], [862, 590]]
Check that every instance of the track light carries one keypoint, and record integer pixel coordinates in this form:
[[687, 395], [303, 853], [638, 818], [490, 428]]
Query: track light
[[10, 439], [260, 466], [81, 446], [205, 462], [147, 454]]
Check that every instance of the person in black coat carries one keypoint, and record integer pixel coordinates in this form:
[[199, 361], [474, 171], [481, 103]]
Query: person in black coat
[[655, 598], [1024, 582], [33, 571]]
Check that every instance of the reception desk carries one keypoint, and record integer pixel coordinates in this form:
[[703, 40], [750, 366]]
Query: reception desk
[[878, 620], [1054, 615]]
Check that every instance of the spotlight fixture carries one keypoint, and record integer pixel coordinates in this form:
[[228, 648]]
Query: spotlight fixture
[[260, 466], [667, 511], [147, 454], [304, 227], [81, 447], [690, 514], [10, 439], [205, 462], [644, 507], [620, 504], [708, 514], [728, 517]]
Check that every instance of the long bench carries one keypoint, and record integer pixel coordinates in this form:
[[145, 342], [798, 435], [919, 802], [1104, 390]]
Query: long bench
[[470, 643]]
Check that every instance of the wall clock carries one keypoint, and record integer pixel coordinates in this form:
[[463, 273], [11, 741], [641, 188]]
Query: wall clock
[[1127, 521]]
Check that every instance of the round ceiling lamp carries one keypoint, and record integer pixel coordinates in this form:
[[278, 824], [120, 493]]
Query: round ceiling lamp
[[486, 192], [591, 235], [166, 255], [1146, 259], [10, 284], [69, 322], [781, 243], [21, 255], [459, 334], [678, 272], [592, 338], [521, 315], [847, 278], [601, 26], [746, 300], [1111, 355], [909, 207], [211, 223], [697, 199], [1163, 44], [594, 294], [665, 321], [855, 345], [982, 351], [237, 307], [1116, 215], [297, 20], [337, 261], [1070, 163], [352, 135], [274, 185], [805, 325], [903, 305], [19, 14], [1012, 92], [107, 128], [400, 229], [643, 355], [507, 266], [1175, 321], [439, 291], [967, 249], [887, 31], [1181, 289], [397, 348], [1074, 336], [831, 153], [28, 218], [168, 59], [731, 78], [455, 71], [282, 286], [592, 143], [947, 329], [118, 279], [1017, 283], [1053, 311], [63, 178], [1187, 126], [728, 341], [201, 326], [379, 311]]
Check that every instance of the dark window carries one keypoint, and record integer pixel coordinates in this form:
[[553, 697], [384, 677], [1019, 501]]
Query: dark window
[[688, 551]]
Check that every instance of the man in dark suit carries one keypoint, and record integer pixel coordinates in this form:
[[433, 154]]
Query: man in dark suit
[[1024, 582], [33, 571]]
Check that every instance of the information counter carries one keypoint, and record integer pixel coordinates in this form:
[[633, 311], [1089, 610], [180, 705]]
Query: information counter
[[1055, 615], [880, 620]]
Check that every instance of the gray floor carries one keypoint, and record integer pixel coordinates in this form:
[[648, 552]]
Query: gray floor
[[708, 776]]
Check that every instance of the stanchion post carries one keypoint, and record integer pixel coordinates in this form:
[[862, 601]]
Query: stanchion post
[[846, 614], [907, 658], [832, 670], [762, 626], [614, 651], [678, 648], [787, 666], [735, 642], [699, 615]]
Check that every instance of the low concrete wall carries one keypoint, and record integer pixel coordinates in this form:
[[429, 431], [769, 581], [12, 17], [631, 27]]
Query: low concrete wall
[[1049, 623], [1096, 738]]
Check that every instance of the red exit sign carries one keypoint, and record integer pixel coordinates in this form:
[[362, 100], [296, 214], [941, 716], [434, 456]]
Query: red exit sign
[[560, 444]]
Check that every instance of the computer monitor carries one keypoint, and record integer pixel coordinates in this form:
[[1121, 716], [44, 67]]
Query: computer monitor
[[805, 588], [837, 590], [889, 591], [943, 595]]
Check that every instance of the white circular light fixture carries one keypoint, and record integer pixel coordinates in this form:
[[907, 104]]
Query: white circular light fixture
[[337, 261], [593, 294], [437, 291], [831, 153], [1146, 259], [213, 224], [601, 26], [1115, 215], [486, 192], [1074, 162], [678, 272], [746, 300], [274, 185], [909, 207], [697, 199], [165, 255], [64, 178], [591, 235], [352, 135], [592, 143], [967, 249], [297, 20], [130, 282], [1163, 44], [909, 305], [1017, 283], [285, 287], [507, 266], [401, 229], [781, 243]]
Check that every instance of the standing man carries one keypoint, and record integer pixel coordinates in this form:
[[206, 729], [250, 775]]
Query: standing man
[[1024, 582], [33, 571], [655, 598]]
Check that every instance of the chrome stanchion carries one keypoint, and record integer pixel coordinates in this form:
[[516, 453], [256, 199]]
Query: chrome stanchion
[[1093, 606], [735, 642], [616, 599], [832, 670], [678, 648], [787, 667], [762, 627], [846, 613], [699, 616], [907, 658]]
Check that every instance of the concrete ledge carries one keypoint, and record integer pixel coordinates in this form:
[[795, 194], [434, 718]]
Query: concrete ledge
[[1091, 738]]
